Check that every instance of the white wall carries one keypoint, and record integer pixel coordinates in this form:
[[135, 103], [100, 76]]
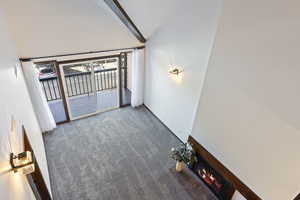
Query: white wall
[[51, 27], [185, 41], [15, 102], [238, 196], [248, 116]]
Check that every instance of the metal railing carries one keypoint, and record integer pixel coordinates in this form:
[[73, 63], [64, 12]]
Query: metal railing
[[80, 83], [51, 88], [106, 79]]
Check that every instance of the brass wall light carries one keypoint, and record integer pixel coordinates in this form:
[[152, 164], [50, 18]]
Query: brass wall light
[[175, 71], [22, 162]]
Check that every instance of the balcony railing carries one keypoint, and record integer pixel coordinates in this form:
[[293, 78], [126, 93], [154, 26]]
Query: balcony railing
[[80, 83], [51, 88]]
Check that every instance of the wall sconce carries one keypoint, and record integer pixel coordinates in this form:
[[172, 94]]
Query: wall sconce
[[175, 71], [22, 162]]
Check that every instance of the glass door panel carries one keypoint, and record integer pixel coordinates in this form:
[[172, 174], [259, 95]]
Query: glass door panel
[[79, 87], [106, 83]]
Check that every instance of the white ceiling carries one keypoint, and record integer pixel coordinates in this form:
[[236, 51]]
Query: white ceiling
[[150, 15], [50, 27]]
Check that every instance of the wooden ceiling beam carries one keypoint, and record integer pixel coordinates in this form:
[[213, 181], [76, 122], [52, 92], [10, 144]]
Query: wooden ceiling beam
[[116, 7]]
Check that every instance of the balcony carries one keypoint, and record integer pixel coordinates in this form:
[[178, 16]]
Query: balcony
[[79, 87]]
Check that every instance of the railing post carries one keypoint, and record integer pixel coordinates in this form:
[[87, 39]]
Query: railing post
[[93, 79]]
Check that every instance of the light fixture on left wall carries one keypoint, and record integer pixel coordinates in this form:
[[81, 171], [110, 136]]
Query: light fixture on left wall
[[23, 162], [175, 70]]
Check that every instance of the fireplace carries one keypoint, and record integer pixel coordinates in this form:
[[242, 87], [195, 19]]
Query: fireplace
[[214, 181]]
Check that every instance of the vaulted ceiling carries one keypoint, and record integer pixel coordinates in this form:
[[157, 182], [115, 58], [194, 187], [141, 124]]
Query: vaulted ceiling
[[150, 15], [50, 27]]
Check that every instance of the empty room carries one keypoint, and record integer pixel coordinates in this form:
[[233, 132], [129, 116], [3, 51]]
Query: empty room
[[149, 100]]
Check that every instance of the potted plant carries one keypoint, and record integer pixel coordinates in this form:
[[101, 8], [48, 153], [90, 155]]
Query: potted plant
[[183, 154]]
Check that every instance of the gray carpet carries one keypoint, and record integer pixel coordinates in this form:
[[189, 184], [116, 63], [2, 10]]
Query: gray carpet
[[118, 155]]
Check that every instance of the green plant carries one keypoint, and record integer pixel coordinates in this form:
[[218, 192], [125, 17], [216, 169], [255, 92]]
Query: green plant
[[184, 153]]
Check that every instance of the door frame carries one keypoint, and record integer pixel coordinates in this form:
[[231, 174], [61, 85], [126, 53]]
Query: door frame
[[61, 81], [60, 65]]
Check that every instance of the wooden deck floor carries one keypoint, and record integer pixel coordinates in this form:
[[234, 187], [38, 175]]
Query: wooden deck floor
[[87, 104]]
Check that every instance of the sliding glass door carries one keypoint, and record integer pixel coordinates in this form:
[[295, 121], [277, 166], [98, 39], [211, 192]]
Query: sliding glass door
[[79, 89], [90, 86], [106, 83]]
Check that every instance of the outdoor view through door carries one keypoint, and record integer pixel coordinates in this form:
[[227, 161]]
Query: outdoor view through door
[[89, 85]]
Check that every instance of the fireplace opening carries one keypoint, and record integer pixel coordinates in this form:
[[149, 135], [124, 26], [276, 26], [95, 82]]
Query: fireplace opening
[[214, 181]]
